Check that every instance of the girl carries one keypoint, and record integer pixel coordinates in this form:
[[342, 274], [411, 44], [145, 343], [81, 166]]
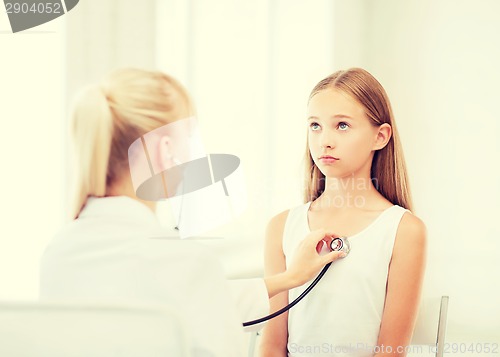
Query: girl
[[357, 187], [107, 253]]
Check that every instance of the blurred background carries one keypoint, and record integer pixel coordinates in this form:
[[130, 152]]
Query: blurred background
[[250, 66]]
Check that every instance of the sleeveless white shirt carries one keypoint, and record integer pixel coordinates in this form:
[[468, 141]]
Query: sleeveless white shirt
[[341, 316]]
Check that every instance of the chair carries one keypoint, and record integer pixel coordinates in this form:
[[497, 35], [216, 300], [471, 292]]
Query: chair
[[73, 330], [430, 327]]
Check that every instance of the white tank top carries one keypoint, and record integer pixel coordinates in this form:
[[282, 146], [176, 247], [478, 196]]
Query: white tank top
[[341, 316]]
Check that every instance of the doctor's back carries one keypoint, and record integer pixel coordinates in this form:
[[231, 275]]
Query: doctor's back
[[113, 250], [112, 254]]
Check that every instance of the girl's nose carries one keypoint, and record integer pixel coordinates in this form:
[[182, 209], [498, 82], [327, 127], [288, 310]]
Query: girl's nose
[[327, 141]]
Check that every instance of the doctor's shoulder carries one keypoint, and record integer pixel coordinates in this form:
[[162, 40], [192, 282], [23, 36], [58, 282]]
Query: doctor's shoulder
[[66, 236]]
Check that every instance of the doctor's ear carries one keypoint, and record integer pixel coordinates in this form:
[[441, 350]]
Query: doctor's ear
[[165, 153], [384, 133]]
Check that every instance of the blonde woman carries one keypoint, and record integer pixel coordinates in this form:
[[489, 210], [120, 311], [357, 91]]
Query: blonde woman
[[357, 187], [108, 252]]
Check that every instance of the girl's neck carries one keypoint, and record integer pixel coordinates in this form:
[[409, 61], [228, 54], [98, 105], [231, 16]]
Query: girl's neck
[[347, 193]]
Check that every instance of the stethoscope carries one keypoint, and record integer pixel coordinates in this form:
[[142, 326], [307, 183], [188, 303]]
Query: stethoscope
[[338, 244]]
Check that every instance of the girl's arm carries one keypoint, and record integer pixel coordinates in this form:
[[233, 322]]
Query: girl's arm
[[275, 332], [404, 284]]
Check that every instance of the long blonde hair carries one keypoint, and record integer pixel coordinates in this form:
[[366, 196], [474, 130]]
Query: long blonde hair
[[388, 170], [108, 117]]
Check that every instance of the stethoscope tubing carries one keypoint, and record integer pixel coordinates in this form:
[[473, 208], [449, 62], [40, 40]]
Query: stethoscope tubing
[[343, 245], [293, 303]]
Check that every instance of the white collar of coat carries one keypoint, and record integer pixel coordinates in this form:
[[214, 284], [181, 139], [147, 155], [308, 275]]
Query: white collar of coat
[[119, 207]]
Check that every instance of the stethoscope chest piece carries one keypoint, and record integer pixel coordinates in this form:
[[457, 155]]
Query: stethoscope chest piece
[[337, 244], [340, 244]]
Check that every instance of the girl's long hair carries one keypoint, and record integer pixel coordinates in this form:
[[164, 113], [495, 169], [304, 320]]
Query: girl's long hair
[[108, 117], [388, 170]]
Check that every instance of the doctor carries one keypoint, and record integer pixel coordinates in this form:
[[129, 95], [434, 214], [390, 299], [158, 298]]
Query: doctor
[[115, 250]]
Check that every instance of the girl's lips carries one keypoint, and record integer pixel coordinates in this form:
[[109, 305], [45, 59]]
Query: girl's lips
[[328, 159]]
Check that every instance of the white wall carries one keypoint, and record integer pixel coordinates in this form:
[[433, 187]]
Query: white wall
[[104, 35], [31, 151], [251, 73], [250, 67], [439, 62], [40, 70]]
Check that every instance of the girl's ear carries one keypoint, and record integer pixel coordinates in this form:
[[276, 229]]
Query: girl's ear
[[384, 133]]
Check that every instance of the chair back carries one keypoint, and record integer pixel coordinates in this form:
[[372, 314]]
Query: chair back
[[70, 330], [430, 327]]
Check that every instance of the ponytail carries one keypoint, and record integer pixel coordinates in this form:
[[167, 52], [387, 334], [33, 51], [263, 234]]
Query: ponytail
[[92, 131], [108, 118]]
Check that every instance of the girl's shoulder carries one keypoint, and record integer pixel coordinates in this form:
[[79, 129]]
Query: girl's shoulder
[[411, 232], [410, 222], [278, 222], [276, 225]]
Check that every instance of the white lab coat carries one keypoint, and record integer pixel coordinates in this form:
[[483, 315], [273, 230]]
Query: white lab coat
[[116, 251]]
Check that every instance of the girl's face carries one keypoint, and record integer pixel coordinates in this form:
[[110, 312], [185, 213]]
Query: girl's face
[[342, 139]]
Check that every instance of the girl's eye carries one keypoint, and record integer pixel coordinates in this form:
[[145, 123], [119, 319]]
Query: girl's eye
[[314, 126], [343, 126]]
